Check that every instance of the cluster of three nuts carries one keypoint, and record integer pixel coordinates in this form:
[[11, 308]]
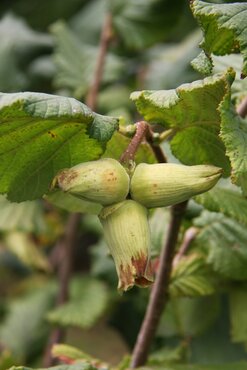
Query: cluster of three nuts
[[125, 221]]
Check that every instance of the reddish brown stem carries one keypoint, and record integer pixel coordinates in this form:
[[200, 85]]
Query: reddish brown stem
[[129, 153], [189, 236], [158, 152], [67, 244], [159, 293], [242, 108], [105, 39]]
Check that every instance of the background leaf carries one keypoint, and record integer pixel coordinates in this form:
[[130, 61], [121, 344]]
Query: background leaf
[[41, 134], [59, 367], [223, 366], [238, 316], [189, 316], [239, 86], [159, 222], [191, 277], [224, 28], [24, 330], [19, 43], [229, 202], [76, 62], [146, 22], [22, 246], [169, 64], [26, 216], [225, 240], [89, 299], [70, 352], [234, 135]]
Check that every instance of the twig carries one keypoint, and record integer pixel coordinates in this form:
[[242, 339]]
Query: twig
[[189, 236], [129, 153], [242, 108], [158, 152], [68, 244], [159, 293], [105, 39]]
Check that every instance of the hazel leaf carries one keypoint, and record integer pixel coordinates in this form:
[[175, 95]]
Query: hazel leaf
[[234, 135], [191, 111], [41, 134], [224, 27]]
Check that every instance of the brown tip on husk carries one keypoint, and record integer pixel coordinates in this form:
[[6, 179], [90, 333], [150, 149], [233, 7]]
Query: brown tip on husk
[[139, 273]]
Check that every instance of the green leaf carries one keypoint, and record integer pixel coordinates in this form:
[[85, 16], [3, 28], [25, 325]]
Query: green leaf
[[20, 368], [167, 355], [159, 223], [61, 351], [76, 62], [23, 246], [225, 240], [6, 360], [239, 86], [238, 314], [83, 21], [203, 64], [23, 39], [226, 366], [191, 277], [38, 17], [24, 330], [229, 202], [59, 367], [224, 28], [169, 64], [72, 204], [186, 316], [18, 45], [89, 299], [41, 134], [215, 345], [26, 216], [234, 136], [142, 23], [191, 111], [102, 265], [70, 352], [114, 97]]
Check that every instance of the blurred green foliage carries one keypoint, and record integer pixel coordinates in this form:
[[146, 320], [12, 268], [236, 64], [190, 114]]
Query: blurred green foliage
[[51, 46]]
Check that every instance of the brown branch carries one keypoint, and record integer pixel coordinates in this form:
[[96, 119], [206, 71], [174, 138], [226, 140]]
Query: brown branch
[[189, 236], [242, 108], [159, 293], [67, 244], [129, 153], [158, 152], [105, 39]]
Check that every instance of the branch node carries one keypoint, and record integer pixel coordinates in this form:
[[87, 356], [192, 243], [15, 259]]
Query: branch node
[[129, 154]]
